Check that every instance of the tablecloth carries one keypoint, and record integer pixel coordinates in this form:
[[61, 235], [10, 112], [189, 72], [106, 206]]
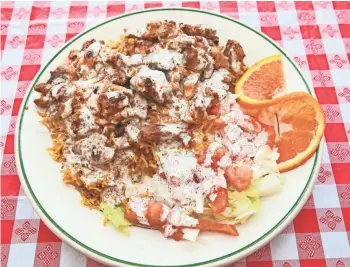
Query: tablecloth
[[315, 34]]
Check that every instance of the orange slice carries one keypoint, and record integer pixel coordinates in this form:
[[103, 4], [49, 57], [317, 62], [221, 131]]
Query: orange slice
[[301, 123], [261, 83]]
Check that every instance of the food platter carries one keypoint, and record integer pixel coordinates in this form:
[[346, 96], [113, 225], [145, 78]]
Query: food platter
[[58, 205]]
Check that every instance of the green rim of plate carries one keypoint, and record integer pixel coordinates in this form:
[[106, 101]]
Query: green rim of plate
[[77, 242]]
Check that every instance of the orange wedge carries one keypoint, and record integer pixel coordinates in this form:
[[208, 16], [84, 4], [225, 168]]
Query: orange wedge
[[260, 84], [301, 123]]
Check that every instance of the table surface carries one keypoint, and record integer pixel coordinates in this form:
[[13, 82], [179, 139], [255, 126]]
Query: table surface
[[316, 35]]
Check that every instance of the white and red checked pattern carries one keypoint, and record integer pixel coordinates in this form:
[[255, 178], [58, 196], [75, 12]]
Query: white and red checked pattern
[[316, 35]]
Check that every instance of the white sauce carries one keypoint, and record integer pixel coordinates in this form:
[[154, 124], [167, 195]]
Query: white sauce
[[179, 109], [67, 111], [162, 86], [139, 206], [135, 32], [210, 153], [92, 102], [216, 84], [113, 95], [55, 89], [177, 219], [93, 149], [88, 122], [172, 128], [94, 48], [180, 166], [190, 234], [133, 132], [140, 108], [164, 59]]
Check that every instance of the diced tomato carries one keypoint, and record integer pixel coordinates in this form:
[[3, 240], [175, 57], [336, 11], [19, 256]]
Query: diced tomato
[[205, 225], [154, 213], [238, 177], [130, 215], [214, 110], [218, 154], [178, 235], [220, 202]]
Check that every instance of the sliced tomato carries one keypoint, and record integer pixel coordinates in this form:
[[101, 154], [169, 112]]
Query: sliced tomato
[[220, 202], [205, 225], [238, 177], [214, 110], [154, 213]]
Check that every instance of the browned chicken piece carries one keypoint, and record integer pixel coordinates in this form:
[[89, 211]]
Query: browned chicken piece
[[86, 44], [111, 103], [41, 102], [208, 63], [116, 61], [158, 30], [198, 30], [42, 88], [151, 84], [137, 46], [196, 59], [73, 54], [221, 61], [234, 51], [59, 72], [176, 76], [191, 58], [142, 47], [161, 29], [150, 133], [158, 132], [235, 54]]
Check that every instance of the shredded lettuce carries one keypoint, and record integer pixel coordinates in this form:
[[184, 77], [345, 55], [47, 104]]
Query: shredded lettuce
[[242, 205], [270, 184], [265, 162], [245, 205], [252, 191], [115, 216]]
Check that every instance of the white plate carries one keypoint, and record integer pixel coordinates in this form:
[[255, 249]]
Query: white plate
[[59, 205]]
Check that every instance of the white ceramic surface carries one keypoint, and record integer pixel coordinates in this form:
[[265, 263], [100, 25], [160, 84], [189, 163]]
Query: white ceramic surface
[[59, 205]]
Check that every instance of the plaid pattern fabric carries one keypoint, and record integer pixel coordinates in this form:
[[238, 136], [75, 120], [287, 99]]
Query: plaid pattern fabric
[[315, 34]]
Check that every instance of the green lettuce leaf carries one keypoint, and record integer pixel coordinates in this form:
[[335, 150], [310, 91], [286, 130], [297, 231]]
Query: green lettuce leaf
[[115, 216]]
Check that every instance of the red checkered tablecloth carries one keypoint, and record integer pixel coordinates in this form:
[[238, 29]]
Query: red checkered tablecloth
[[316, 35]]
